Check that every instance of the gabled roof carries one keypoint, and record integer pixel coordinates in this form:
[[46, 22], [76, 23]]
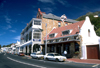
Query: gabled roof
[[74, 27], [52, 16]]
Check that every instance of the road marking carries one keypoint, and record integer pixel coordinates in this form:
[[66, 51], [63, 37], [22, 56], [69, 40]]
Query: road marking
[[25, 63], [95, 65]]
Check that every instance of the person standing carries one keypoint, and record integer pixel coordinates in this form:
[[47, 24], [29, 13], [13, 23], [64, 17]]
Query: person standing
[[65, 53]]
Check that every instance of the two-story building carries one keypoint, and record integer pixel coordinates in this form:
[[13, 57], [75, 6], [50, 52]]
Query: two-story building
[[31, 37], [78, 39]]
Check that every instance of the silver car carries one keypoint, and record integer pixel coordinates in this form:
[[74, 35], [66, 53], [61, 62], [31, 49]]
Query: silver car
[[54, 56]]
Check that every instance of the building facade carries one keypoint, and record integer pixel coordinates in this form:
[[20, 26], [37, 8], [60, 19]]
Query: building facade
[[78, 39], [31, 37], [52, 21]]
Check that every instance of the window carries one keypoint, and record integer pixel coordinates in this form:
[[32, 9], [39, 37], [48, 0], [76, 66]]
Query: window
[[66, 32], [89, 32], [59, 24], [37, 23], [76, 47], [37, 35], [51, 35], [67, 47]]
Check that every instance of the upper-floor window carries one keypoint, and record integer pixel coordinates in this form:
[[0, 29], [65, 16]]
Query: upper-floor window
[[37, 23], [66, 32], [51, 35], [59, 24], [37, 35], [89, 32]]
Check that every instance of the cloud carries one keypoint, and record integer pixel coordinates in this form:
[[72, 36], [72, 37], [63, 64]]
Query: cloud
[[14, 31], [47, 1], [64, 2], [17, 38], [2, 33], [2, 4], [7, 27], [47, 10], [8, 20]]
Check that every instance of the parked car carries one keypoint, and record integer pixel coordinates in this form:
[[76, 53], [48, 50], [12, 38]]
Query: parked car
[[37, 55], [54, 56], [21, 54]]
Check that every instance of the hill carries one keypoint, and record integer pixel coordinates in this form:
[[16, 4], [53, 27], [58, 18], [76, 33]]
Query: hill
[[94, 20]]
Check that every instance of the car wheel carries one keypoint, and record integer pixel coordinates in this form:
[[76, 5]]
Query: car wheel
[[38, 58], [46, 59], [56, 60]]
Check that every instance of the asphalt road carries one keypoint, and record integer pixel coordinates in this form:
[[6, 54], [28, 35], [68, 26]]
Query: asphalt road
[[14, 61]]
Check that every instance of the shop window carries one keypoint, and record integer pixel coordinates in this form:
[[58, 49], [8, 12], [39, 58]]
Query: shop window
[[76, 47], [67, 48]]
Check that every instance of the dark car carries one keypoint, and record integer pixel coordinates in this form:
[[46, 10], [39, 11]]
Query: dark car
[[21, 54]]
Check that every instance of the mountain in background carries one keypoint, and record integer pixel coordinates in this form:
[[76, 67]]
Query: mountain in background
[[94, 20]]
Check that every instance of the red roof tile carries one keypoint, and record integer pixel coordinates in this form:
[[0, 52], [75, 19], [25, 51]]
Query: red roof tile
[[73, 27]]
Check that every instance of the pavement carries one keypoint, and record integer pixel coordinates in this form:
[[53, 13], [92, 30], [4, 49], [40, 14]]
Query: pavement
[[77, 60], [87, 61]]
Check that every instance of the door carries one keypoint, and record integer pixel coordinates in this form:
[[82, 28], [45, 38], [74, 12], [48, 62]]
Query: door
[[93, 52]]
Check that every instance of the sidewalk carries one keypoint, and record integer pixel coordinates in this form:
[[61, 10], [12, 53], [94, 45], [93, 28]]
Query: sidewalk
[[89, 61]]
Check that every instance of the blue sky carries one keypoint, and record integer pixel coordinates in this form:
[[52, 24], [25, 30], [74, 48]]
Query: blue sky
[[15, 14]]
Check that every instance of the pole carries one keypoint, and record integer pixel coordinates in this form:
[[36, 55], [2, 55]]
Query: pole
[[46, 40]]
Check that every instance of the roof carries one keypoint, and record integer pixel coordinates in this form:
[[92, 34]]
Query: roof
[[52, 16], [73, 27]]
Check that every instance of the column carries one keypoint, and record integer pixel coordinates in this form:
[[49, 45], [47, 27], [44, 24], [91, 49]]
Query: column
[[28, 50], [72, 49], [31, 48], [55, 48], [62, 48]]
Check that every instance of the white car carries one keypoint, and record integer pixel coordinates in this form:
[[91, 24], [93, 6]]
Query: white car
[[37, 55], [54, 56]]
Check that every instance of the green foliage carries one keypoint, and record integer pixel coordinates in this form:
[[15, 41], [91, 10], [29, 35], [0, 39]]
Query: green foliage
[[95, 21], [0, 46]]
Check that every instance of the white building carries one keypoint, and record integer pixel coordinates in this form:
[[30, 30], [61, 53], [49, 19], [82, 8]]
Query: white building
[[31, 37]]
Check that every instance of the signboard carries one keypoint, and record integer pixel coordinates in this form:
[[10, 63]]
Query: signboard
[[37, 40]]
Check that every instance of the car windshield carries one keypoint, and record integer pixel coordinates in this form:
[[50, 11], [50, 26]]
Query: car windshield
[[57, 54], [39, 54], [34, 53]]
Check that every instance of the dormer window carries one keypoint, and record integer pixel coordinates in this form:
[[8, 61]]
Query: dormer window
[[59, 24], [66, 32], [52, 35]]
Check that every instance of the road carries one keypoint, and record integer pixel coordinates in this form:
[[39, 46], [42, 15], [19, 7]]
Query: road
[[14, 61]]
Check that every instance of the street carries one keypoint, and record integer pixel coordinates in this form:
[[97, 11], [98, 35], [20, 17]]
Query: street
[[14, 61]]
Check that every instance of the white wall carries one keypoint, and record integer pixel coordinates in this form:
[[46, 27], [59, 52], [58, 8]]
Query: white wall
[[86, 40]]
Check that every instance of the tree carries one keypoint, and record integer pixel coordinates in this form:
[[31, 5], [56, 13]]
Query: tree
[[0, 46]]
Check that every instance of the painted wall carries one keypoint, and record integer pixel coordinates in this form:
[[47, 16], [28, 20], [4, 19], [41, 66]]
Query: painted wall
[[86, 39]]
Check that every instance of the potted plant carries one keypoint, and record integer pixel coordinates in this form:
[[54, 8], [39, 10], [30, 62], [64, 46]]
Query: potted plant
[[77, 52]]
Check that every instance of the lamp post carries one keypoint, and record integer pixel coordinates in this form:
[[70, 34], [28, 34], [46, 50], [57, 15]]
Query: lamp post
[[46, 38]]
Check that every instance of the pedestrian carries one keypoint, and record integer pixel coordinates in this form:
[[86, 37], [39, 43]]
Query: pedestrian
[[65, 53]]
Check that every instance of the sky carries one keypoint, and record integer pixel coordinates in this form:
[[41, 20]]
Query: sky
[[15, 14]]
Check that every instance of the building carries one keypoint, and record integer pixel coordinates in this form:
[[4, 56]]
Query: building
[[31, 37], [52, 21], [78, 39]]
